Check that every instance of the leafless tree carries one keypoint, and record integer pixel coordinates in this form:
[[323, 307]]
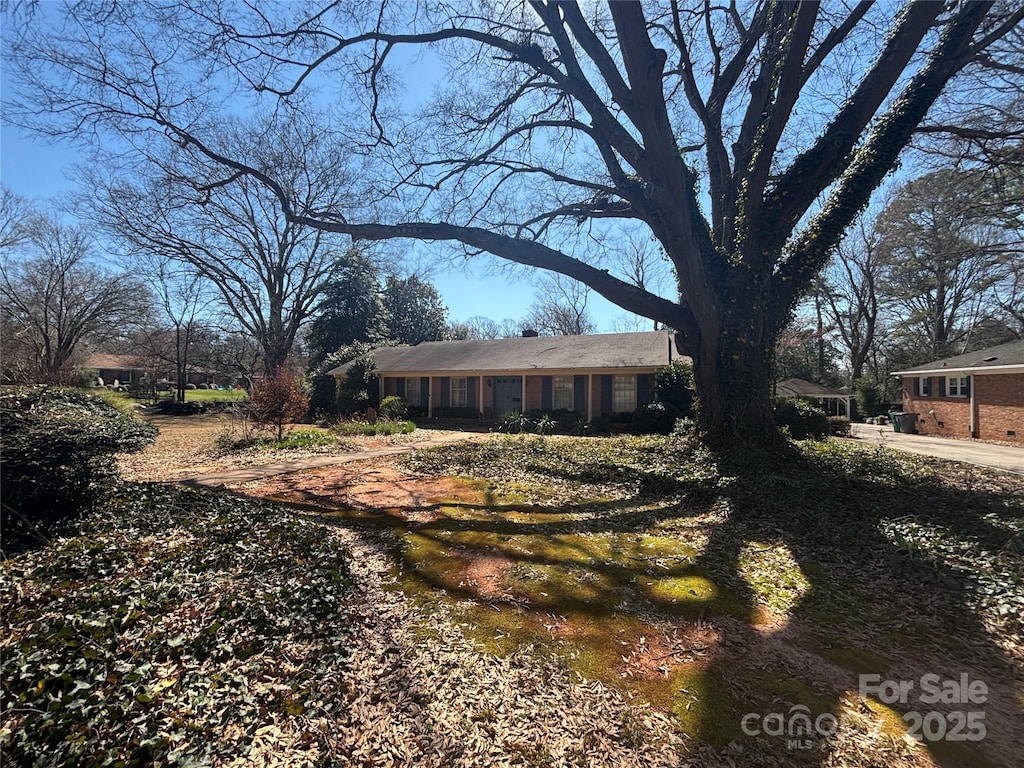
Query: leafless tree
[[851, 295], [557, 121], [15, 215], [268, 271], [54, 297], [560, 308]]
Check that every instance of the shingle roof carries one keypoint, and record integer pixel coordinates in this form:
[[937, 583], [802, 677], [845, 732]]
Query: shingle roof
[[123, 362], [1007, 355], [538, 353], [803, 388]]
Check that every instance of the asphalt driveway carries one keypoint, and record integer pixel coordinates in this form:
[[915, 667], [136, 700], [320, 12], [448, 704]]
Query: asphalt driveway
[[1009, 458]]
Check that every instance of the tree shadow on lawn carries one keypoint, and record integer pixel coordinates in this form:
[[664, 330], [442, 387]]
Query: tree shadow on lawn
[[858, 540]]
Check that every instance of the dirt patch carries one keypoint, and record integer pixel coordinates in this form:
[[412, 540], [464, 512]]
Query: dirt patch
[[376, 485], [485, 574]]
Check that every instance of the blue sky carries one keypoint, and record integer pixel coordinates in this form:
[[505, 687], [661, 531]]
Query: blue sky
[[37, 168]]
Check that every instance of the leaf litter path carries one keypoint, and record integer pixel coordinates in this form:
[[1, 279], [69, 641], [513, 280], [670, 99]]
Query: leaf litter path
[[546, 710]]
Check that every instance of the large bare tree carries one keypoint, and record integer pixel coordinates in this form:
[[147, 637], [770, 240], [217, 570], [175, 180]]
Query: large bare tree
[[746, 138], [54, 296], [268, 271]]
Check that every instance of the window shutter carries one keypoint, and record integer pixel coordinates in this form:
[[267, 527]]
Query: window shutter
[[606, 394], [917, 386], [545, 393], [643, 389], [579, 393], [966, 380], [942, 386], [424, 392], [446, 391]]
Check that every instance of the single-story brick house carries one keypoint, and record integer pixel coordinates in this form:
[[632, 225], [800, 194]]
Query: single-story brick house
[[979, 394], [487, 378]]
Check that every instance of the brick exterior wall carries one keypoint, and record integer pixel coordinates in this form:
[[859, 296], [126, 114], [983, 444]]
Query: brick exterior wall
[[999, 403]]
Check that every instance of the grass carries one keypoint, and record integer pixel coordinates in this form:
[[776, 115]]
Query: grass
[[377, 428], [215, 395]]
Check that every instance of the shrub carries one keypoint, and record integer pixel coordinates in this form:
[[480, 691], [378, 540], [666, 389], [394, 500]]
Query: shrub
[[801, 419], [514, 423], [839, 426], [58, 456], [675, 387], [392, 408], [373, 430], [656, 418], [278, 400]]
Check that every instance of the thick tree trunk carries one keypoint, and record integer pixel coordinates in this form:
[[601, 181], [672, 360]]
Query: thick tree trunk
[[733, 380]]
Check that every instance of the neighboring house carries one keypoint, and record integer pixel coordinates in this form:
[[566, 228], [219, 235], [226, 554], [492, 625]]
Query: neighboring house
[[120, 370], [591, 375], [833, 401], [134, 370], [980, 394]]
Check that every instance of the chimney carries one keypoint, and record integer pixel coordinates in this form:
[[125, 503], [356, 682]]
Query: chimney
[[529, 333]]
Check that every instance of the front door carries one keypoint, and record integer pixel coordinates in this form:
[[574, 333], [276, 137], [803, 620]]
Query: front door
[[508, 395]]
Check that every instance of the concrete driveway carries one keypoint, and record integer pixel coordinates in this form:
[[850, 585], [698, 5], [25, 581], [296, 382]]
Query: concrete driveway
[[1003, 457]]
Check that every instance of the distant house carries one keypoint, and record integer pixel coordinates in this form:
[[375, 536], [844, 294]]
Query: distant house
[[122, 370], [980, 394], [134, 371], [591, 375], [833, 401]]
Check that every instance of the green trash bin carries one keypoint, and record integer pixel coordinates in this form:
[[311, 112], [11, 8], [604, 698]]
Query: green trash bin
[[894, 418]]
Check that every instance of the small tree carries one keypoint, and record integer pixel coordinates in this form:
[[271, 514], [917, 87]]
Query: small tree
[[278, 400]]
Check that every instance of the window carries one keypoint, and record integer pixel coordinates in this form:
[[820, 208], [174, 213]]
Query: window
[[623, 394], [412, 391], [959, 386], [926, 386], [561, 393], [460, 393]]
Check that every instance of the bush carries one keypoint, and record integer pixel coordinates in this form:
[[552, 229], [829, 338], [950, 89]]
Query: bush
[[514, 423], [373, 430], [656, 418], [58, 456], [839, 426], [675, 387], [392, 408], [278, 400], [801, 419]]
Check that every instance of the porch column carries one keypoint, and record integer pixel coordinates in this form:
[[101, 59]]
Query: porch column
[[380, 389]]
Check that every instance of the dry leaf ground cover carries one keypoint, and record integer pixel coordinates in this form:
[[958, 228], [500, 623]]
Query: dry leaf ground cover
[[713, 593], [527, 602]]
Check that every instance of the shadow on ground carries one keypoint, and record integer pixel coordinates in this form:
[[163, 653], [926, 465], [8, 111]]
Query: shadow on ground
[[747, 599]]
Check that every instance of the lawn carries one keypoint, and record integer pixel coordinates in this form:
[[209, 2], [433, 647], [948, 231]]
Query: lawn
[[215, 395], [532, 601]]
